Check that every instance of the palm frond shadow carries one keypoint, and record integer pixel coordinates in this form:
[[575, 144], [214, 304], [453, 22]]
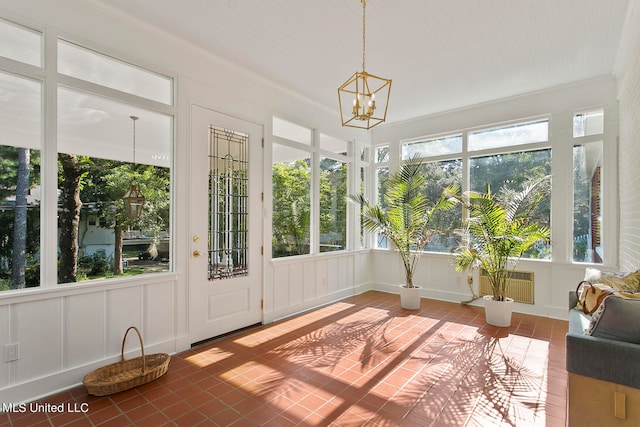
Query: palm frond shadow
[[327, 346], [314, 355], [483, 378]]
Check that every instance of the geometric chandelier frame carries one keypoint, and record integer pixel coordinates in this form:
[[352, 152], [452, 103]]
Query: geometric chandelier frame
[[362, 95]]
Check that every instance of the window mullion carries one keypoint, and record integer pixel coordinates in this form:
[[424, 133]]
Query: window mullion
[[49, 167], [314, 233]]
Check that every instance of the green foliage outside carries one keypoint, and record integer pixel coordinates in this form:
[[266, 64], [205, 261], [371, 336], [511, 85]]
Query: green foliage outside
[[509, 174], [333, 207], [101, 186], [9, 166], [291, 208]]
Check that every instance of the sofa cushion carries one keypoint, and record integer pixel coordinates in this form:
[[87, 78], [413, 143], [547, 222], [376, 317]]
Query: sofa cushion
[[617, 318], [626, 282]]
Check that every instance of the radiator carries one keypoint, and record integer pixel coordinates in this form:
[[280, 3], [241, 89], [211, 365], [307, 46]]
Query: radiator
[[520, 286]]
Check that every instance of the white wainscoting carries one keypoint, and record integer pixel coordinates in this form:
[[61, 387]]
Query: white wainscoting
[[439, 280], [66, 332], [298, 284]]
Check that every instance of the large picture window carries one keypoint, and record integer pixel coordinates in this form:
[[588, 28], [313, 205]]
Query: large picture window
[[487, 162], [510, 173], [98, 163], [100, 154]]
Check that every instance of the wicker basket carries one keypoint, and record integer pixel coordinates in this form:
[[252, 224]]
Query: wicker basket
[[126, 374]]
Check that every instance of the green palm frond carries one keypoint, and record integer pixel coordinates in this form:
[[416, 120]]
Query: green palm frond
[[496, 232], [406, 216]]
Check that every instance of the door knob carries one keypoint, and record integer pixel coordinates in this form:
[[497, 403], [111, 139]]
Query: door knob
[[196, 253]]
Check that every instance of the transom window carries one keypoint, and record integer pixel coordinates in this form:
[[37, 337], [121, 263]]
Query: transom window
[[20, 43]]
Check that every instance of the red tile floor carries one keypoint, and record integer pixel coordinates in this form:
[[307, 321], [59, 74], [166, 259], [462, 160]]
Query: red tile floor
[[362, 361]]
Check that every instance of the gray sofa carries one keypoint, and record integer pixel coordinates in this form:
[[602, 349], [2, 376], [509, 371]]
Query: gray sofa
[[604, 375]]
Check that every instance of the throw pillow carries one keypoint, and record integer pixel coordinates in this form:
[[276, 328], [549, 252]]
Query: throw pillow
[[617, 318], [626, 282], [590, 296]]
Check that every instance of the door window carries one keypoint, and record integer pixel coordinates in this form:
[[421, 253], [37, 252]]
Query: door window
[[228, 203]]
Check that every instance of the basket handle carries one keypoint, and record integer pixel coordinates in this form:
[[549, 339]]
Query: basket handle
[[124, 340]]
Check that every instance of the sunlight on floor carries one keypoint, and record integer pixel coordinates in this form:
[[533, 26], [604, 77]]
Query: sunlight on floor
[[362, 361]]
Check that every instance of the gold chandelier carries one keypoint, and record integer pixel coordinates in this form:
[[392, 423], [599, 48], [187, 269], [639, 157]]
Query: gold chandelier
[[362, 94]]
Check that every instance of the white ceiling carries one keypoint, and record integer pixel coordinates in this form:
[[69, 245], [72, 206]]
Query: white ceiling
[[441, 54]]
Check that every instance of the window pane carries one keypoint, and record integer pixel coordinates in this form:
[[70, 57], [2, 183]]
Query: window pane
[[382, 154], [587, 202], [94, 126], [432, 147], [291, 174], [363, 153], [445, 223], [382, 176], [332, 144], [91, 66], [20, 111], [362, 189], [522, 133], [291, 131], [228, 203], [588, 123], [333, 205], [20, 43], [511, 172], [20, 125], [102, 153]]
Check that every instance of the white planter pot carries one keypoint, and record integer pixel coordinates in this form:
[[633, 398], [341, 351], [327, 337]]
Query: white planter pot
[[498, 313], [410, 297]]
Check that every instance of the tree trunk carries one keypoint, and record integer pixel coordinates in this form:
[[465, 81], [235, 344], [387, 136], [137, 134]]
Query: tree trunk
[[19, 250], [117, 250], [69, 217]]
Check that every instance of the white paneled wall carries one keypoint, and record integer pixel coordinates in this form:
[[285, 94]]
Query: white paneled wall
[[66, 333], [302, 283], [629, 155], [439, 280], [84, 343]]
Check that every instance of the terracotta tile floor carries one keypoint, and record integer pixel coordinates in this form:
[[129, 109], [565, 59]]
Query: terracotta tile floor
[[360, 361]]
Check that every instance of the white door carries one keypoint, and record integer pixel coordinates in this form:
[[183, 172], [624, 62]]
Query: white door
[[225, 267]]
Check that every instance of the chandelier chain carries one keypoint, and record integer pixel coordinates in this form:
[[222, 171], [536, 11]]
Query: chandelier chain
[[364, 28], [134, 118]]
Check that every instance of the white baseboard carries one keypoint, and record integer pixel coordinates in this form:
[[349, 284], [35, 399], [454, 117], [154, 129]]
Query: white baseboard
[[311, 304], [552, 312], [71, 377]]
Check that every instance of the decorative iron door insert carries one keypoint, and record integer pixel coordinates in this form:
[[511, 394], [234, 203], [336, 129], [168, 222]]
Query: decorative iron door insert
[[228, 203]]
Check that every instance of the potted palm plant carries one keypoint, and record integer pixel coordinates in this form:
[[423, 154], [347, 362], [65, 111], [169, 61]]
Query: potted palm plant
[[404, 219], [498, 231]]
